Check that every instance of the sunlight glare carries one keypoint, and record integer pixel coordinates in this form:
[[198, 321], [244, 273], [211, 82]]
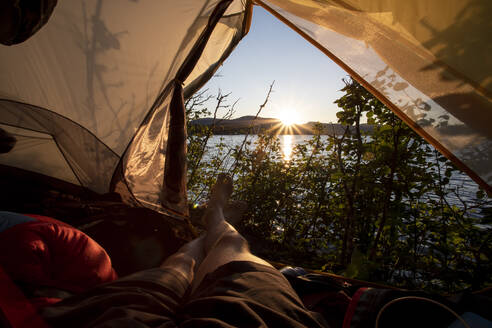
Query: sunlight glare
[[287, 146], [289, 117]]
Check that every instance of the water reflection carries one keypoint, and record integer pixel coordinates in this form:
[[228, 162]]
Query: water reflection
[[287, 141]]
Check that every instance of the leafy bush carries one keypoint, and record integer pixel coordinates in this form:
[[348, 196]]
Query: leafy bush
[[376, 206]]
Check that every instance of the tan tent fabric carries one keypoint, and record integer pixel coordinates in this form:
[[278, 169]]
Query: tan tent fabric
[[96, 76], [146, 164], [427, 60]]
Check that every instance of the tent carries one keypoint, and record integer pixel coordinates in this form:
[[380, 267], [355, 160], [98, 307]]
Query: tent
[[96, 96]]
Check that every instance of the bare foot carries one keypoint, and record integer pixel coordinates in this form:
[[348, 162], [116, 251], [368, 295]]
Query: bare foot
[[219, 195], [233, 212], [221, 191]]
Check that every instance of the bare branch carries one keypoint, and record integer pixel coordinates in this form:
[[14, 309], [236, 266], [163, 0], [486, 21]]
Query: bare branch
[[233, 167]]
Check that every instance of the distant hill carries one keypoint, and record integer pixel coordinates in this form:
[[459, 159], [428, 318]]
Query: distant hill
[[242, 124]]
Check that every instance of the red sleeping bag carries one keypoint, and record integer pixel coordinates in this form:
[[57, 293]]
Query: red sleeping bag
[[47, 252]]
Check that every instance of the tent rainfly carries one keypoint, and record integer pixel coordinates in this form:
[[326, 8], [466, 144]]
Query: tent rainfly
[[95, 97]]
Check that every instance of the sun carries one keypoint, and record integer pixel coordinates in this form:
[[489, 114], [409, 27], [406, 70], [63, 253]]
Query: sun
[[287, 120], [289, 117]]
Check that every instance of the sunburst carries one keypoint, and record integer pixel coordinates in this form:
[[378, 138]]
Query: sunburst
[[289, 117], [288, 122]]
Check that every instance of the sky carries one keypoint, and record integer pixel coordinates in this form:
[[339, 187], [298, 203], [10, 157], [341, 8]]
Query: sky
[[306, 81]]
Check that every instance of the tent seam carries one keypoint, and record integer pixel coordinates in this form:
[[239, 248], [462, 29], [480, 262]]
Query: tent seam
[[68, 162]]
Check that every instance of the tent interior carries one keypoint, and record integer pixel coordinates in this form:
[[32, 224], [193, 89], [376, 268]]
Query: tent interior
[[95, 97]]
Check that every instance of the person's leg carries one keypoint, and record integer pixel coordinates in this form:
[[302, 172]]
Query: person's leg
[[223, 244], [140, 299], [187, 259]]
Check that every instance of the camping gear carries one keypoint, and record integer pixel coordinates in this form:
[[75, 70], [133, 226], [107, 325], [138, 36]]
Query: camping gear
[[17, 310], [349, 303], [47, 252], [94, 98], [22, 19], [96, 95], [10, 219]]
